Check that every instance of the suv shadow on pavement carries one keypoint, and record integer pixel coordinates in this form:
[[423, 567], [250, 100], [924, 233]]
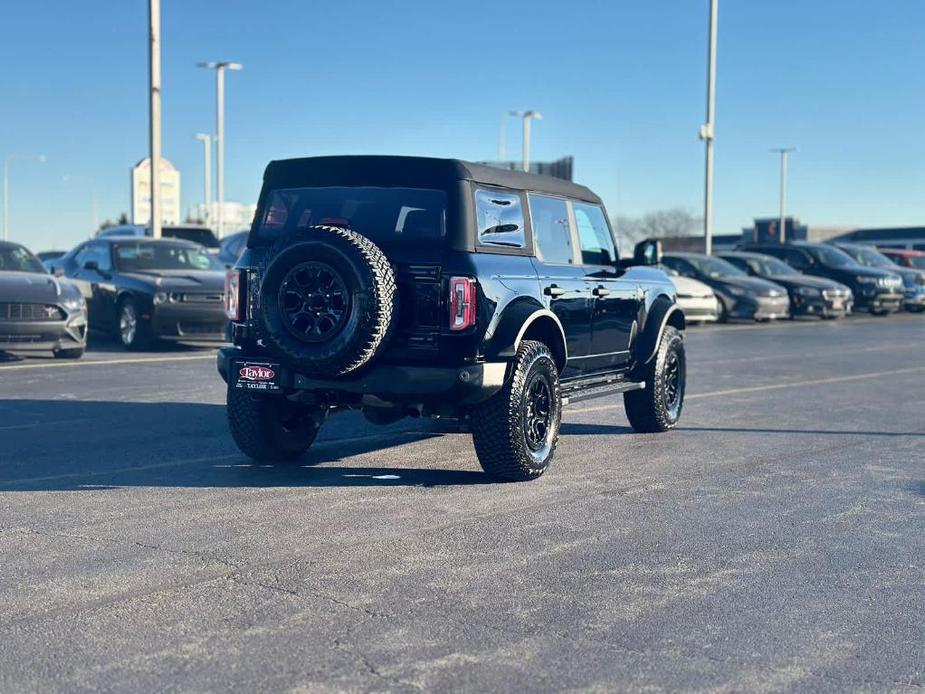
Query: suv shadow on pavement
[[185, 445]]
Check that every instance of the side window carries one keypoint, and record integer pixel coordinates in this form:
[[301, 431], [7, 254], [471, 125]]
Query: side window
[[98, 252], [500, 218], [796, 260], [594, 235], [82, 255], [551, 231]]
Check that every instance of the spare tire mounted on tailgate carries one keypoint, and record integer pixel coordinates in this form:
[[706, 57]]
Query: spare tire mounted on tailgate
[[328, 302]]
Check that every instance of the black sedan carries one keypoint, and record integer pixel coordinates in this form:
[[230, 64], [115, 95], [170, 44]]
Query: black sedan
[[142, 289], [38, 311], [809, 296], [740, 296]]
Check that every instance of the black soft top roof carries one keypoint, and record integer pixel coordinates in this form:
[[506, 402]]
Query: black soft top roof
[[410, 172]]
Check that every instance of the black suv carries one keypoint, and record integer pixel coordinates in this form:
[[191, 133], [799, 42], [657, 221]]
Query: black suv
[[410, 286], [875, 290]]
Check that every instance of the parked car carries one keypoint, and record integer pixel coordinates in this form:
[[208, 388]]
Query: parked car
[[410, 286], [142, 289], [874, 290], [196, 233], [913, 280], [905, 258], [696, 299], [232, 246], [809, 296], [38, 311], [740, 296]]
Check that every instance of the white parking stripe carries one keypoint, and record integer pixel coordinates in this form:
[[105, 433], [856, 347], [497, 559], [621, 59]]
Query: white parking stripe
[[103, 362], [774, 386]]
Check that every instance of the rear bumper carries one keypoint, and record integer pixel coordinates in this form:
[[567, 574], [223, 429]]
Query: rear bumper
[[462, 386], [21, 336]]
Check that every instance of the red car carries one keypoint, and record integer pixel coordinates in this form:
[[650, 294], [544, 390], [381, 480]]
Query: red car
[[905, 258]]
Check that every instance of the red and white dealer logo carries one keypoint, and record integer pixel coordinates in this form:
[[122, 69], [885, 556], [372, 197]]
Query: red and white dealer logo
[[256, 373]]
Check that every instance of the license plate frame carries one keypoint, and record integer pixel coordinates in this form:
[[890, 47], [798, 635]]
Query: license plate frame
[[256, 375]]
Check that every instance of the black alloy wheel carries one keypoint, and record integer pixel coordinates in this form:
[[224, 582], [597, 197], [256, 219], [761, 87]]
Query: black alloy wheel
[[314, 301], [538, 415]]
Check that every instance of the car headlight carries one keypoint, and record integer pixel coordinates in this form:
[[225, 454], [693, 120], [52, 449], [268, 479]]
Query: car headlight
[[74, 303], [161, 297]]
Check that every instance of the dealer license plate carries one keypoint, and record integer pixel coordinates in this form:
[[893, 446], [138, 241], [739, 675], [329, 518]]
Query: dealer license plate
[[260, 376]]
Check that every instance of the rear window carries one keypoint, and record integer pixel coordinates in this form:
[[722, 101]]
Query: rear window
[[385, 215]]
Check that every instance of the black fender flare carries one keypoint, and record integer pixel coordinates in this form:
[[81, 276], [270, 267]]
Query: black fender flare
[[521, 320], [664, 312]]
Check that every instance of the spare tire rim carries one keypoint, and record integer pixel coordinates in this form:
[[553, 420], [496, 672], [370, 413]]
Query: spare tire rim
[[314, 301], [538, 415]]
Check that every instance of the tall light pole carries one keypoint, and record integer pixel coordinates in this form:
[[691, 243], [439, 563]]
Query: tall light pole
[[154, 74], [784, 153], [502, 154], [220, 67], [206, 141], [707, 133], [527, 116], [6, 187], [94, 218]]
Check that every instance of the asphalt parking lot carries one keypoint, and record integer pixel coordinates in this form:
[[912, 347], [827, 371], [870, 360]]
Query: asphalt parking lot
[[774, 541]]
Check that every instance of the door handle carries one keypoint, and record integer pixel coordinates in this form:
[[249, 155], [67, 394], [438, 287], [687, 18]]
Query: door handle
[[553, 290], [600, 291]]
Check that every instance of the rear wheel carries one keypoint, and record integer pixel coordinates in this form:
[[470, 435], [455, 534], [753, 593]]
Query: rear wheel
[[516, 430], [658, 406], [271, 428]]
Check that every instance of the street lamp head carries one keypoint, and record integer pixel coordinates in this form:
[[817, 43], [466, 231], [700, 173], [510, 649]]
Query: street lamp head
[[202, 137], [221, 65], [533, 114]]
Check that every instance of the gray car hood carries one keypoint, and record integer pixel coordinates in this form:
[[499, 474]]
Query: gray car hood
[[33, 288]]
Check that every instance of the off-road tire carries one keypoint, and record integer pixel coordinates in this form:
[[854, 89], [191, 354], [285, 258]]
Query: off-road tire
[[649, 410], [498, 425], [257, 425], [373, 302], [70, 353]]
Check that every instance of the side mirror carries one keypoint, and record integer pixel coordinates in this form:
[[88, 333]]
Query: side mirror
[[648, 252], [92, 265]]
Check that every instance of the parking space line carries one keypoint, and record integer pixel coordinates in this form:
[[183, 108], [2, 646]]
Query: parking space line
[[103, 362], [774, 386]]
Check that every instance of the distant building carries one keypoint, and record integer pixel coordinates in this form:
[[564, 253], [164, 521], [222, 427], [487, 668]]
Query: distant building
[[560, 168], [768, 230], [237, 215], [141, 193], [892, 237]]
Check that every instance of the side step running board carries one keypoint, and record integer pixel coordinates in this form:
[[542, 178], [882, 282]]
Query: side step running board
[[579, 394]]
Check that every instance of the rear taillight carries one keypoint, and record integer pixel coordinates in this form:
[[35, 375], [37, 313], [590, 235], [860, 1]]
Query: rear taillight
[[462, 303], [234, 295]]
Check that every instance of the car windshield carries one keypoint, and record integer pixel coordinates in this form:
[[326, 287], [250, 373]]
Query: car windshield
[[831, 256], [771, 267], [18, 259], [385, 215], [714, 268], [869, 257], [134, 257]]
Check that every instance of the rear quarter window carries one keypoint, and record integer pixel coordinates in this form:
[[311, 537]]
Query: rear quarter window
[[500, 219]]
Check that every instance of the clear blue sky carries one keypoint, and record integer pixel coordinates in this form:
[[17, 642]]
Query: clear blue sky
[[620, 84]]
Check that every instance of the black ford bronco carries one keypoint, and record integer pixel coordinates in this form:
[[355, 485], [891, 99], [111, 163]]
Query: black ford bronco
[[404, 286]]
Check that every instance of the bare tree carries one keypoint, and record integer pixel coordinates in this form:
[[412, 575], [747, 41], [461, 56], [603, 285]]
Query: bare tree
[[674, 222]]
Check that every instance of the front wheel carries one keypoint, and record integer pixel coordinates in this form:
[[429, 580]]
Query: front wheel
[[657, 407], [516, 430], [270, 428], [134, 331]]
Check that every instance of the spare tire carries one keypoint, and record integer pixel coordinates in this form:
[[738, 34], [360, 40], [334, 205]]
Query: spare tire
[[328, 302]]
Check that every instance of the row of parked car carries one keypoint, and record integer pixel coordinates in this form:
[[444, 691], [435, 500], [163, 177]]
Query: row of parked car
[[138, 289], [766, 281], [121, 282]]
